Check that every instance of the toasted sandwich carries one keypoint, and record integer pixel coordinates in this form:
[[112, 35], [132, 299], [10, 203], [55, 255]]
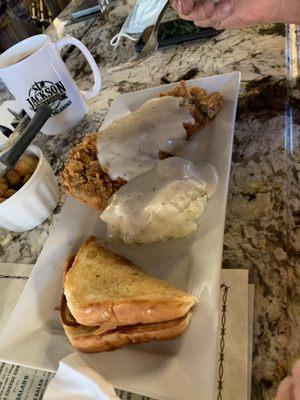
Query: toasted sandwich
[[109, 302]]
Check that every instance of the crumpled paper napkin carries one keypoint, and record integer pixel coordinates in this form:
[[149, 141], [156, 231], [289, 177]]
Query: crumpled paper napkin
[[76, 380]]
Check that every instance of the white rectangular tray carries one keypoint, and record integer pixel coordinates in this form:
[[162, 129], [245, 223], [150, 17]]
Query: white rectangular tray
[[172, 370]]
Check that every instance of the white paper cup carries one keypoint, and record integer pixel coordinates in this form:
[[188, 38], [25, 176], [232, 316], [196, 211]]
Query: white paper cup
[[34, 201]]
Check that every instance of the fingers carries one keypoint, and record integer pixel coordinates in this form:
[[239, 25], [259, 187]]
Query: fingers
[[201, 10], [207, 23], [222, 11], [285, 390], [296, 379], [206, 14], [187, 6], [183, 7]]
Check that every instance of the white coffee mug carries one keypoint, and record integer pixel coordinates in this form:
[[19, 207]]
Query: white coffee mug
[[34, 73]]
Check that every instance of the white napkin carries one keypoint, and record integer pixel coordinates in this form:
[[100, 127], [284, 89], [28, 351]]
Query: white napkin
[[76, 380]]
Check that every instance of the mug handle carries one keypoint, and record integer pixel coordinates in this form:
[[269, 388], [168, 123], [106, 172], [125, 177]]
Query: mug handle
[[87, 95]]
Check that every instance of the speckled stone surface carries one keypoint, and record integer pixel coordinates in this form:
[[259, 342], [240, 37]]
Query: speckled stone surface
[[63, 25], [262, 226]]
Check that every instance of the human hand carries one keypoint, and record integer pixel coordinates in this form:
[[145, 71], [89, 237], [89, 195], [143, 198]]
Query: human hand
[[237, 13], [289, 388]]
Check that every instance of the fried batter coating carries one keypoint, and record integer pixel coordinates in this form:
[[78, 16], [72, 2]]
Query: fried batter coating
[[26, 165], [3, 189], [16, 177], [83, 177], [203, 106], [26, 178], [9, 193], [13, 177]]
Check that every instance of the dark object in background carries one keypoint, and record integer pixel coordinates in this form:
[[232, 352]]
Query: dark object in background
[[87, 9], [269, 96], [20, 19], [175, 32], [10, 155], [5, 130], [15, 23]]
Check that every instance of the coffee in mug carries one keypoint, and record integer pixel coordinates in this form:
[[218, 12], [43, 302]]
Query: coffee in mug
[[35, 73]]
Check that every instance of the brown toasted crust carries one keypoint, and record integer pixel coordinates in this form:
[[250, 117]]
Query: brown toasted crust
[[106, 289], [65, 314], [67, 266], [84, 338], [83, 177]]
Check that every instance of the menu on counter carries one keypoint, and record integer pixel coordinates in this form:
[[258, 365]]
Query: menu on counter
[[20, 383], [234, 344]]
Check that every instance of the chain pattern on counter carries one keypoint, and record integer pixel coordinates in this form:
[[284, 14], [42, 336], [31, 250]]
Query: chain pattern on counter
[[13, 277], [224, 289]]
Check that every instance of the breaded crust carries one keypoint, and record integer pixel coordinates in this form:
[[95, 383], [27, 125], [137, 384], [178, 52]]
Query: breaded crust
[[203, 106], [83, 177]]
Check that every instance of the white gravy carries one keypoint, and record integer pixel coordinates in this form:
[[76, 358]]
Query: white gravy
[[130, 146], [163, 203]]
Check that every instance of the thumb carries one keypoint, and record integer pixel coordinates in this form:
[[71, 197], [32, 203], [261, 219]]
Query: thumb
[[296, 380], [187, 6], [223, 9], [285, 390], [184, 7]]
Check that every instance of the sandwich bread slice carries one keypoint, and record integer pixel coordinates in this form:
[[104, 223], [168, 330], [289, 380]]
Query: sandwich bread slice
[[88, 340], [109, 302]]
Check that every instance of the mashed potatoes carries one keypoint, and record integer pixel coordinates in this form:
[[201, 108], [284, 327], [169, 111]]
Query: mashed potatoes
[[165, 203]]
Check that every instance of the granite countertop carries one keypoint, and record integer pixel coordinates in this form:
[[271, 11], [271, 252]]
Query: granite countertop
[[63, 24], [262, 230]]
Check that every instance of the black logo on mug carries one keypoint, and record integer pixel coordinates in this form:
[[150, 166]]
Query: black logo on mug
[[53, 94]]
